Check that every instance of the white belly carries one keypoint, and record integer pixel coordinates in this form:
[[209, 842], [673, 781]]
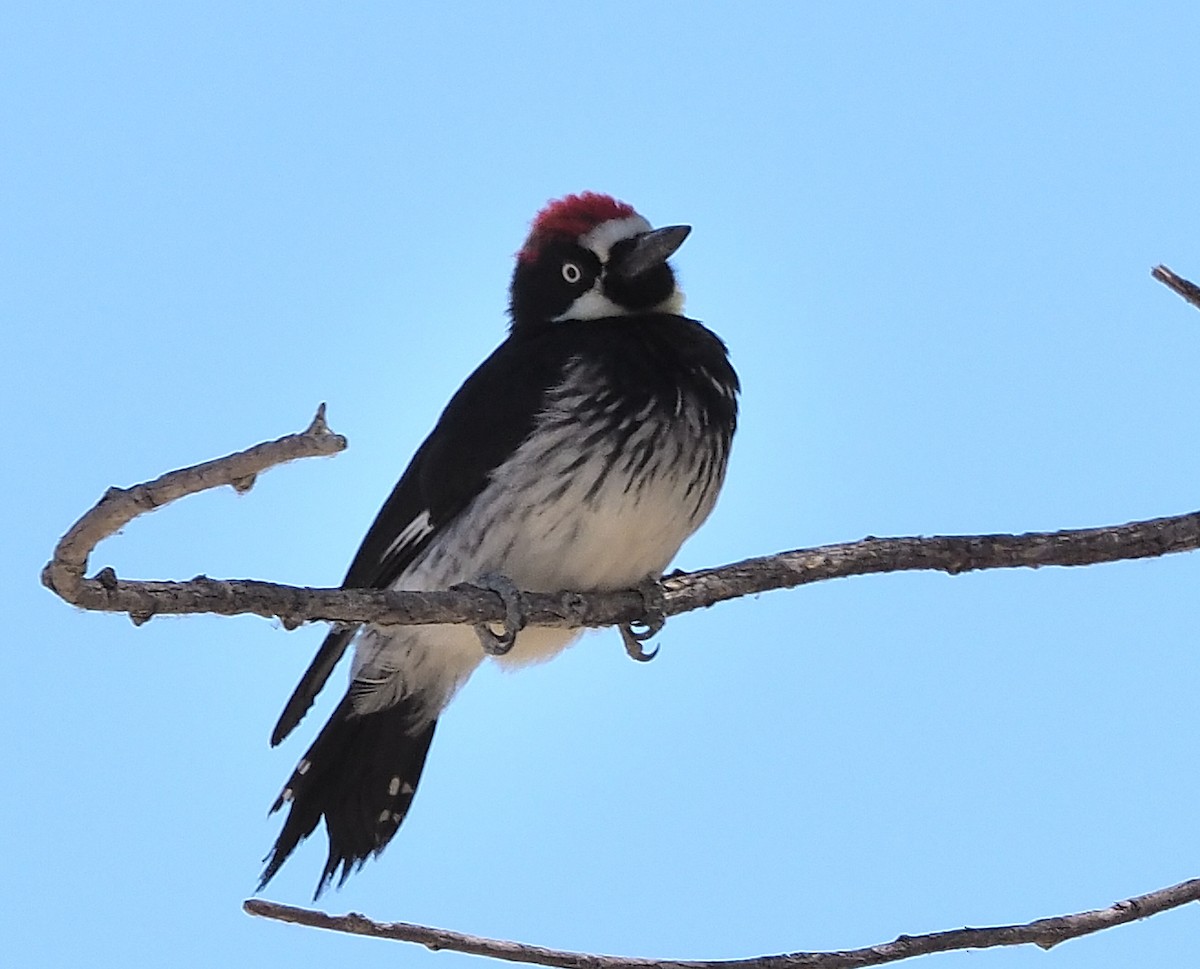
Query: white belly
[[555, 518]]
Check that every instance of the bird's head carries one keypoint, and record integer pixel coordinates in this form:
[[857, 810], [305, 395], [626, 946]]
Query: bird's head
[[589, 256]]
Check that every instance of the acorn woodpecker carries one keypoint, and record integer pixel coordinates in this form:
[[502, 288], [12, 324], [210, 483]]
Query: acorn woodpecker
[[579, 456]]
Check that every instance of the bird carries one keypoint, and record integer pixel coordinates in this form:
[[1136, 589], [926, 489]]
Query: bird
[[579, 456]]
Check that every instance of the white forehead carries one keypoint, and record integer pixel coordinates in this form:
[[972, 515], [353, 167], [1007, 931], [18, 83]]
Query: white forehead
[[603, 237]]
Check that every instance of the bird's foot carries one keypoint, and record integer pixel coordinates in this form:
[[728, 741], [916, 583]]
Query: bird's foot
[[652, 621], [493, 643]]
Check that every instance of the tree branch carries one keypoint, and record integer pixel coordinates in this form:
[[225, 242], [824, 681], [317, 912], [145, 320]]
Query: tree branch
[[64, 574], [1043, 932], [683, 592]]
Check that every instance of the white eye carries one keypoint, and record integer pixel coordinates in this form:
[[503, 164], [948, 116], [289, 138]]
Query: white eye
[[571, 273]]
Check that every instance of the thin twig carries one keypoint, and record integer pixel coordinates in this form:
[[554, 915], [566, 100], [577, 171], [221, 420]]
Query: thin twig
[[1184, 287], [64, 574], [1043, 932]]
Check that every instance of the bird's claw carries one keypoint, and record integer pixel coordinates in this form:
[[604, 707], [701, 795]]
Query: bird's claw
[[493, 643], [654, 619], [633, 643]]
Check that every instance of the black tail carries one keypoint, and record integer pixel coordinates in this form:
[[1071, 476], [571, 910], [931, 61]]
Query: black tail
[[312, 682], [360, 774]]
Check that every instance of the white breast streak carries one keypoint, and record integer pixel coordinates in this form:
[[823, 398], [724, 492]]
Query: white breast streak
[[548, 520], [412, 533]]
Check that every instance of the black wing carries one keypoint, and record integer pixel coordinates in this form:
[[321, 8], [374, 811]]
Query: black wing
[[484, 423]]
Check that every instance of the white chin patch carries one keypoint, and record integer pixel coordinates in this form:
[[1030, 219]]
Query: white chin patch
[[594, 305], [607, 234]]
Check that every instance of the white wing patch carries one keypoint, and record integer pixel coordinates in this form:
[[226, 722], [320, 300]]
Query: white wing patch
[[415, 531]]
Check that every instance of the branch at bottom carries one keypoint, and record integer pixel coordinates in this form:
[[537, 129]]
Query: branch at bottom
[[1045, 933]]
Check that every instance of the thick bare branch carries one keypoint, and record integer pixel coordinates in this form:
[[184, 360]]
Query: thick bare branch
[[1043, 932], [683, 592]]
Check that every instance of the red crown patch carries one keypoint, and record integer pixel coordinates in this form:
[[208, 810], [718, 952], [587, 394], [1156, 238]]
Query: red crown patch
[[571, 217]]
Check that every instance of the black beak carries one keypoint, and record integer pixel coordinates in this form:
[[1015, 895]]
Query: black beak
[[650, 249]]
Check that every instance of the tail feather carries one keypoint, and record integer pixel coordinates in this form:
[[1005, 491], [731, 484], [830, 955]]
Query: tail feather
[[360, 775], [312, 682]]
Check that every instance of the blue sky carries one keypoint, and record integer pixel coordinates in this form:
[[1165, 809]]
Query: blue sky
[[924, 230]]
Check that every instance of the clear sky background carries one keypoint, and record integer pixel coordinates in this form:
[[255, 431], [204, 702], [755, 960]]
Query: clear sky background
[[925, 231]]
